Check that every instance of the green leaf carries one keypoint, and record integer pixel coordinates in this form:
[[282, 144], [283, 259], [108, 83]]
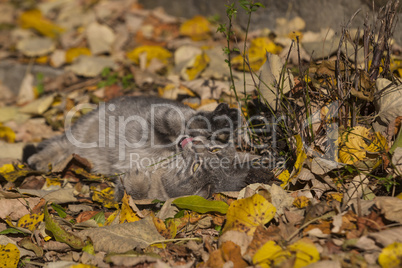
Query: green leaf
[[201, 205], [11, 231], [179, 214], [99, 217], [60, 210], [60, 234]]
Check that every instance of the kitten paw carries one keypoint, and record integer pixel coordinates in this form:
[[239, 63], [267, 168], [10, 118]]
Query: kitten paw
[[39, 162]]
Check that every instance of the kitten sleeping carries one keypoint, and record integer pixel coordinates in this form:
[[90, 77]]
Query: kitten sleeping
[[162, 148]]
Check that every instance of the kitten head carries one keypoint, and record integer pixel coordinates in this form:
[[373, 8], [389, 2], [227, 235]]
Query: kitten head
[[205, 167], [220, 124]]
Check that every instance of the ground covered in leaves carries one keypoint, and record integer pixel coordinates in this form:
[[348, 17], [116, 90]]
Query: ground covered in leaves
[[337, 92]]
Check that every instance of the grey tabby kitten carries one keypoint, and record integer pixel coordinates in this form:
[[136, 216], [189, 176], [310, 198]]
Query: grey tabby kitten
[[162, 148]]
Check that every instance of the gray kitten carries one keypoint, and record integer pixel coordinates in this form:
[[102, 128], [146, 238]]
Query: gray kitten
[[162, 148]]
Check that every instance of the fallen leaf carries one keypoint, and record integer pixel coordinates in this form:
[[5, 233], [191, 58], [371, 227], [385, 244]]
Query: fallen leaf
[[301, 202], [100, 38], [36, 46], [59, 196], [34, 19], [389, 104], [127, 214], [12, 172], [209, 90], [30, 221], [256, 55], [195, 66], [163, 229], [75, 52], [270, 254], [26, 91], [90, 66], [60, 234], [281, 200], [39, 106], [197, 28], [284, 177], [391, 255], [9, 256], [391, 207], [397, 159], [358, 188], [127, 236], [245, 215], [306, 252], [228, 251], [106, 198], [201, 205], [27, 244], [217, 68], [151, 52], [359, 147], [285, 26], [7, 134], [58, 58], [275, 79]]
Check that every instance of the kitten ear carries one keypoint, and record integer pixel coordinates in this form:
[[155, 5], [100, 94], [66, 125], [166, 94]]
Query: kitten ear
[[222, 108]]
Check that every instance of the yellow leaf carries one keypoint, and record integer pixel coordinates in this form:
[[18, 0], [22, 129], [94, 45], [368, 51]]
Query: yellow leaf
[[294, 34], [7, 168], [75, 52], [12, 172], [306, 253], [9, 255], [335, 196], [106, 197], [7, 134], [301, 155], [270, 254], [167, 230], [127, 213], [358, 146], [112, 217], [256, 54], [52, 182], [30, 221], [82, 266], [42, 59], [245, 215], [197, 28], [391, 256], [285, 177], [194, 68], [301, 202], [396, 65], [33, 19], [152, 52]]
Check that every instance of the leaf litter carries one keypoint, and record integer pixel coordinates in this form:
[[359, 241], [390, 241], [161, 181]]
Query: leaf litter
[[342, 211]]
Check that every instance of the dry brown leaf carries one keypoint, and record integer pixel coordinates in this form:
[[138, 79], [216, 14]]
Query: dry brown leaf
[[123, 237], [391, 207]]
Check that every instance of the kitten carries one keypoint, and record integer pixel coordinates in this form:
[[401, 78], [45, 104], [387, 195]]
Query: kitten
[[161, 147]]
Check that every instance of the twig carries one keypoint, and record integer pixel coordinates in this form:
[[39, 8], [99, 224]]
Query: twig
[[176, 240], [386, 16]]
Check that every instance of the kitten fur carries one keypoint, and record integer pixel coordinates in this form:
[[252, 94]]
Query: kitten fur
[[160, 148]]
